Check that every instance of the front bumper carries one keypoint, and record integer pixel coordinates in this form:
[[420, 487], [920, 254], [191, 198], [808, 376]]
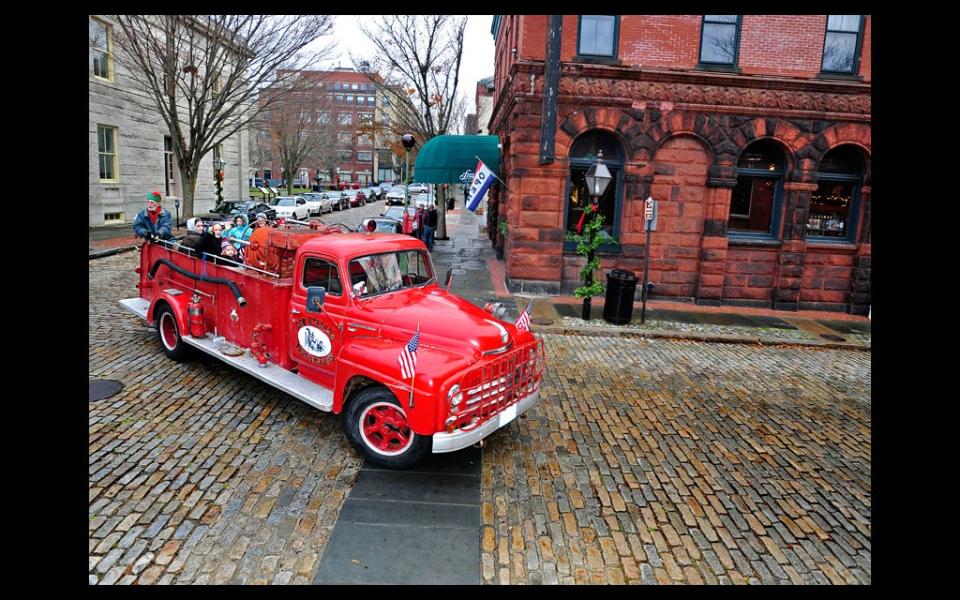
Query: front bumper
[[450, 442]]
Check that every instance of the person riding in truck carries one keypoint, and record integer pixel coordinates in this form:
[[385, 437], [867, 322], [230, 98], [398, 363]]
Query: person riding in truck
[[154, 222], [241, 230]]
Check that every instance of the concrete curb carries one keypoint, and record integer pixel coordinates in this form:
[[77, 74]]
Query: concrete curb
[[720, 338], [110, 252]]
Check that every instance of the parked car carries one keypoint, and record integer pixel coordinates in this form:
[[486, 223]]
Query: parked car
[[291, 207], [421, 199], [355, 197], [383, 225], [395, 213], [337, 200], [371, 193], [385, 187], [419, 188], [396, 195], [228, 209], [317, 203]]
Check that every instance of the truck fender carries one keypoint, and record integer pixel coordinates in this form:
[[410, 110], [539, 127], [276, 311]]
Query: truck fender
[[178, 307]]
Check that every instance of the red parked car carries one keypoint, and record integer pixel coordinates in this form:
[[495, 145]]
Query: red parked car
[[329, 317], [356, 197]]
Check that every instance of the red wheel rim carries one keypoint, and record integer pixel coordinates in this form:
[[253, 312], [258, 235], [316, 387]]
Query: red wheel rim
[[384, 429], [168, 331]]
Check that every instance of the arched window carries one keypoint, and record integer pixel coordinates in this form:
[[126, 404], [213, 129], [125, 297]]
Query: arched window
[[755, 202], [833, 207], [583, 154]]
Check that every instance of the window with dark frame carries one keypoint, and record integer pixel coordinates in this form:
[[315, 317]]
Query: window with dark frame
[[598, 36], [841, 44], [834, 204], [755, 201], [321, 272], [107, 150], [719, 40], [583, 154]]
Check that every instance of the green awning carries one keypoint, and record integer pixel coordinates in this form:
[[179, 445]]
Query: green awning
[[446, 158]]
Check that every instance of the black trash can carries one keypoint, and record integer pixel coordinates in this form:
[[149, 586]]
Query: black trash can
[[618, 306]]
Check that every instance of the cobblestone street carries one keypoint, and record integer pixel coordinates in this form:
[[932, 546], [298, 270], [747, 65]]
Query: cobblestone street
[[662, 461], [648, 461]]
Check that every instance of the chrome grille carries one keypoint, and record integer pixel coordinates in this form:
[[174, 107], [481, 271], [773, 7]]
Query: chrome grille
[[491, 387]]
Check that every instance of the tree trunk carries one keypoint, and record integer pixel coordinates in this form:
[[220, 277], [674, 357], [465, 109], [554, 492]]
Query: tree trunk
[[442, 217], [189, 185]]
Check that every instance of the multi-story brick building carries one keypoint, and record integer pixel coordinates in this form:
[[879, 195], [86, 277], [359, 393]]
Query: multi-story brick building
[[751, 131], [362, 116], [131, 150]]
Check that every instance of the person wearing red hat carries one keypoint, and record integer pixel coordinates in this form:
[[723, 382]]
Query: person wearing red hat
[[154, 221]]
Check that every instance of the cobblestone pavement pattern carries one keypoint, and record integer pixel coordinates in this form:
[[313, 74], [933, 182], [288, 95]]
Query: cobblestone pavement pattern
[[662, 461], [198, 473]]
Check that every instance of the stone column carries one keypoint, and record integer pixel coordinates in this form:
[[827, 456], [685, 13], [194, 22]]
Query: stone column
[[860, 293], [713, 246], [789, 273]]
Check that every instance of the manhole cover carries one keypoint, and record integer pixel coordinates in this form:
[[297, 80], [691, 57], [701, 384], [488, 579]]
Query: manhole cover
[[832, 338], [542, 321], [103, 388]]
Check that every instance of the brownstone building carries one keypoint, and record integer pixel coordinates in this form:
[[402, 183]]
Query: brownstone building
[[751, 131]]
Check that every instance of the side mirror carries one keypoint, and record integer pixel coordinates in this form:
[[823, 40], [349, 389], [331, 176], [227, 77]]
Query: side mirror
[[315, 297], [448, 278]]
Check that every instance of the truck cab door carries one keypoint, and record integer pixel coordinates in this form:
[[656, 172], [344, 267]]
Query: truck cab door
[[316, 334]]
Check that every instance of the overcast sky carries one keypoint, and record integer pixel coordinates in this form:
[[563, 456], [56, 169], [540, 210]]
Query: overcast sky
[[476, 64]]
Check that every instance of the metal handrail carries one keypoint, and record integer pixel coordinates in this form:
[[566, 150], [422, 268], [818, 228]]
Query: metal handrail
[[172, 245]]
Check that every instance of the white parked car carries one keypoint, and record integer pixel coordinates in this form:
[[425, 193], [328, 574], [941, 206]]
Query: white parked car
[[291, 207], [396, 195], [419, 188], [422, 199], [317, 204]]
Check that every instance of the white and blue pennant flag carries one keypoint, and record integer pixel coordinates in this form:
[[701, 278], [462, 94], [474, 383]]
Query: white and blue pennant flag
[[482, 181]]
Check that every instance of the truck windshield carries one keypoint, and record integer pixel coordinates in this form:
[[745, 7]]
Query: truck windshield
[[380, 273]]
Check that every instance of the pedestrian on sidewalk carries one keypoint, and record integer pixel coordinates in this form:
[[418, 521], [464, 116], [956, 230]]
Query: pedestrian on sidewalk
[[154, 222], [430, 227], [420, 217]]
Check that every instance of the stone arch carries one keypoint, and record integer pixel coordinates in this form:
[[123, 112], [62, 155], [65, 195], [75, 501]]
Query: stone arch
[[857, 134], [622, 124], [790, 157], [667, 137]]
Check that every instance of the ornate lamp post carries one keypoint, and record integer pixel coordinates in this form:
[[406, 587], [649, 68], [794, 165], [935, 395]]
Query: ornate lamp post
[[218, 165], [598, 177], [408, 142]]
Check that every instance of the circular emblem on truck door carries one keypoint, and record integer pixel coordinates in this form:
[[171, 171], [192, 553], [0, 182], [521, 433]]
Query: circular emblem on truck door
[[314, 341]]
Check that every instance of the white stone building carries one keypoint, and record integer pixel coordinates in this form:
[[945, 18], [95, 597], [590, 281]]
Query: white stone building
[[130, 153]]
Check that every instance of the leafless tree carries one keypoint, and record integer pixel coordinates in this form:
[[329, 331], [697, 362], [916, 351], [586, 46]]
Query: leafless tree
[[303, 125], [203, 73], [418, 57]]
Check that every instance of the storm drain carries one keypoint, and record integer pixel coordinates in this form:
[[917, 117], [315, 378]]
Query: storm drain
[[103, 388]]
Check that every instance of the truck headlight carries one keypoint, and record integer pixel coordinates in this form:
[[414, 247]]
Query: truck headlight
[[454, 397]]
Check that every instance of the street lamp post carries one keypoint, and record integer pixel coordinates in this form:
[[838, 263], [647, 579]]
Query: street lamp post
[[408, 142], [218, 165], [597, 177]]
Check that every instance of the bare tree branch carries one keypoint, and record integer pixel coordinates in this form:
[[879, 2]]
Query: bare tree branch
[[204, 74]]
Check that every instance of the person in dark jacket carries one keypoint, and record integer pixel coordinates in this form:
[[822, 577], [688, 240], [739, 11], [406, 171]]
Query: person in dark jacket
[[154, 221], [430, 226], [211, 240]]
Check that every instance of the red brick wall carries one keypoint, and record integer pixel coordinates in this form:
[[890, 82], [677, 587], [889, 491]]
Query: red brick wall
[[784, 45], [749, 273], [826, 275], [679, 186]]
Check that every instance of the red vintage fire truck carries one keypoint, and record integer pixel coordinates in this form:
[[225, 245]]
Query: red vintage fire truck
[[327, 318]]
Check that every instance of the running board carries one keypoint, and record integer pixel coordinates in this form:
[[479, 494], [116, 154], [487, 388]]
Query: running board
[[313, 394], [137, 306]]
